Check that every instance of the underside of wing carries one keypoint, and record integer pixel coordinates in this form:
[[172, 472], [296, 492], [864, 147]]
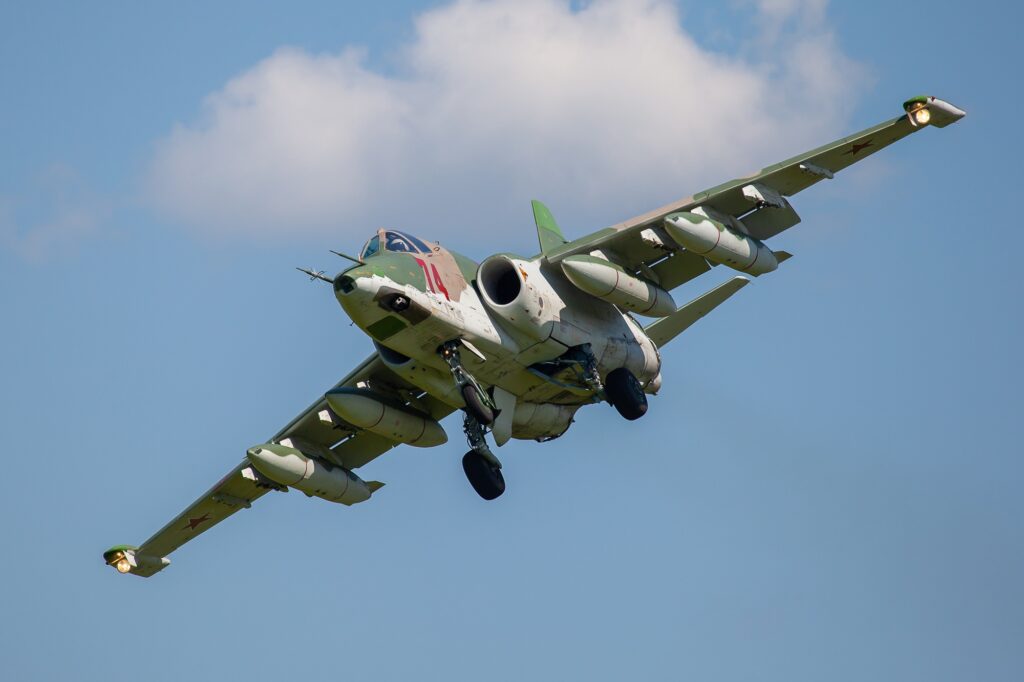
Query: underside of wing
[[746, 210], [238, 490], [348, 443], [315, 454]]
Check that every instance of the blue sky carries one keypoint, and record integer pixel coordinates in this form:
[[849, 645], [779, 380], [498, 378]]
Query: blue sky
[[828, 485]]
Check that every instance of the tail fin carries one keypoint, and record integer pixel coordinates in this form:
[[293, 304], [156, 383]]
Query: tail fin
[[548, 234]]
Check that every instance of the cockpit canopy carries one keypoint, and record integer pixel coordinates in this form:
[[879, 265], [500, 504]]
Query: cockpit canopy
[[393, 241]]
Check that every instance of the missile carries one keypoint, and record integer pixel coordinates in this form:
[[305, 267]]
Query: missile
[[718, 243], [290, 467], [365, 410], [611, 283]]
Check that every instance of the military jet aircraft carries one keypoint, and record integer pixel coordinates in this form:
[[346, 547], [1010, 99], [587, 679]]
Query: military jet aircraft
[[516, 344]]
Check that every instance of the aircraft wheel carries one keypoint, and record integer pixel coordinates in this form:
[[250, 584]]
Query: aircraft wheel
[[486, 480], [625, 393], [476, 406]]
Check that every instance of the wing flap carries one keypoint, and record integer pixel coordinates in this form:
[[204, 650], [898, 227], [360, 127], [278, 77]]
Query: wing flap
[[678, 268]]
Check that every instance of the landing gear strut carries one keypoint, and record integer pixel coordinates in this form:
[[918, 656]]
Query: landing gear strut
[[482, 468], [621, 387], [478, 403]]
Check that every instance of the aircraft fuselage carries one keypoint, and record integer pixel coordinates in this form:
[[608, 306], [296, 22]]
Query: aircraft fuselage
[[519, 320]]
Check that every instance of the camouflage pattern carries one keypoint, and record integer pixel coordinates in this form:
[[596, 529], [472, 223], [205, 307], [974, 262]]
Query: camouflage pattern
[[531, 336]]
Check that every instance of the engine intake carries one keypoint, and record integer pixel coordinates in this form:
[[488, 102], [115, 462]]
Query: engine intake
[[500, 280], [517, 292]]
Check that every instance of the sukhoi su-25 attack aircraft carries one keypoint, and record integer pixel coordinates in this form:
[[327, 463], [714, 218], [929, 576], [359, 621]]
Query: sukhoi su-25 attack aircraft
[[517, 344]]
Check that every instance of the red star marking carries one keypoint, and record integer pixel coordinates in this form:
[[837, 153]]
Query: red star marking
[[192, 523], [857, 147]]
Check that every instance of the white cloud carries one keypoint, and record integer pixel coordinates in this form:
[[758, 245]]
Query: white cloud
[[52, 218], [597, 108]]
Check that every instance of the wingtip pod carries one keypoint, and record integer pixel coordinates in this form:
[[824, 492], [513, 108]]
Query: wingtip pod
[[927, 110], [126, 559]]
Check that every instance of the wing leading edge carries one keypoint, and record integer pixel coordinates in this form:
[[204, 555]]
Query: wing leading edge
[[756, 205]]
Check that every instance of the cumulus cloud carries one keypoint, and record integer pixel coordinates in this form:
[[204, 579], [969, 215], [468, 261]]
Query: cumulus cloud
[[602, 106]]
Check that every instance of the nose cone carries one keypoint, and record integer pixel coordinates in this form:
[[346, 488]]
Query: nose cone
[[355, 288], [350, 281]]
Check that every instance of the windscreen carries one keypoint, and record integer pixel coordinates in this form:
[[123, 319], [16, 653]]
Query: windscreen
[[402, 242]]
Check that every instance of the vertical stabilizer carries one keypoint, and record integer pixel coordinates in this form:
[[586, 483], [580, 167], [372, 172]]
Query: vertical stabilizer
[[548, 234]]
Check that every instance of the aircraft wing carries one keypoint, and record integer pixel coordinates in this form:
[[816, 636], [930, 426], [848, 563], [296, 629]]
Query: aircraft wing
[[756, 205], [317, 428]]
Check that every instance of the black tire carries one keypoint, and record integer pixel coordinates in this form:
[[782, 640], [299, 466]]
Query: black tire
[[625, 393], [486, 480], [476, 406]]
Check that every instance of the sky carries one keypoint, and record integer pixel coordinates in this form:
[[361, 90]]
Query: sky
[[826, 487]]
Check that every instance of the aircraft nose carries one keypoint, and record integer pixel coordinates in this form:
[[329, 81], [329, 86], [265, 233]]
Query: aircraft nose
[[355, 290], [344, 284], [348, 281]]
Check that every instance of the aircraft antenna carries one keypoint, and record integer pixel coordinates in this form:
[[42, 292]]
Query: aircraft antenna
[[319, 274], [346, 256]]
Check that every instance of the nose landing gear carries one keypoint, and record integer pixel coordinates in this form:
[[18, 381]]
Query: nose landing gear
[[478, 403], [482, 468]]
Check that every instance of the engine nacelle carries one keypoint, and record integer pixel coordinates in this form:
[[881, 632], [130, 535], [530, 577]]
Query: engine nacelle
[[290, 467], [518, 293], [718, 243]]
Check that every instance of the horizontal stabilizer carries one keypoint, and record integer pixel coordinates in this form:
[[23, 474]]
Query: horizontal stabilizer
[[668, 328]]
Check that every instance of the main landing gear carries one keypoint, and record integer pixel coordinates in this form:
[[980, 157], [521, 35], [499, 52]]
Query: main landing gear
[[621, 387], [625, 393], [482, 468]]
